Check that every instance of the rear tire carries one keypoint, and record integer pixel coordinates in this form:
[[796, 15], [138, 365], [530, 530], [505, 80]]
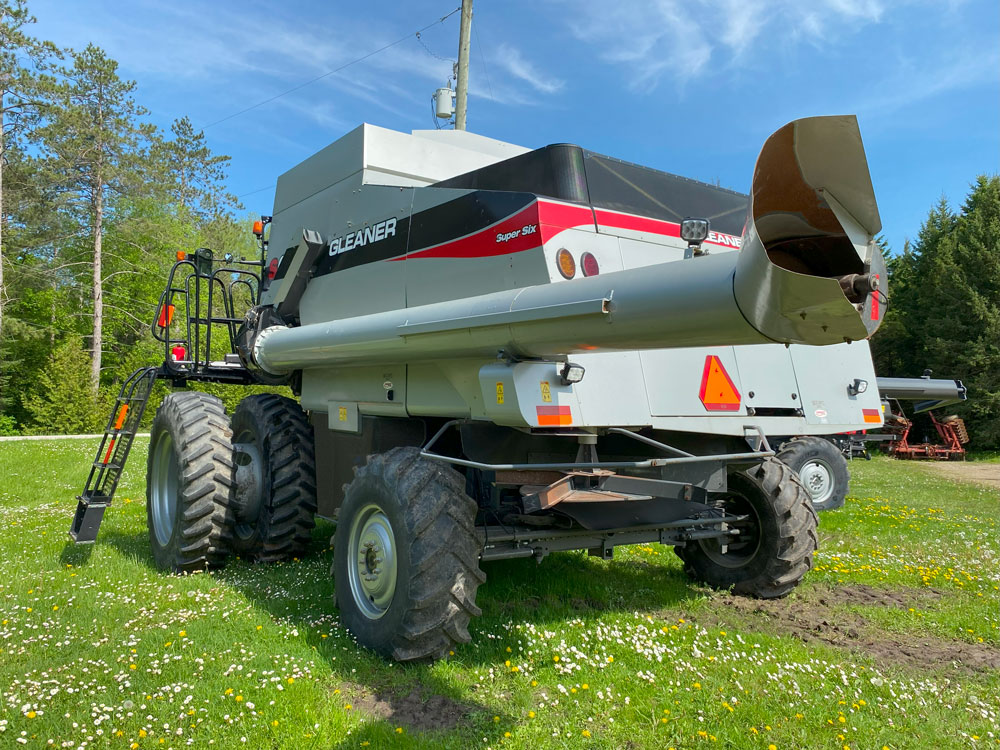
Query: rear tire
[[275, 507], [776, 547], [822, 468], [189, 483], [406, 557]]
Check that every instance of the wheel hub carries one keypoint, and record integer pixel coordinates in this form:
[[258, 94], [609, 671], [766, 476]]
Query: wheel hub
[[164, 493], [372, 572], [248, 495], [818, 479]]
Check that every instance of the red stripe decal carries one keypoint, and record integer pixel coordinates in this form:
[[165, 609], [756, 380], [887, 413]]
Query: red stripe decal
[[514, 234], [616, 220], [870, 412]]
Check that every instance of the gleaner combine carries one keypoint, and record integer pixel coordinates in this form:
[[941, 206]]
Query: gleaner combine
[[499, 353]]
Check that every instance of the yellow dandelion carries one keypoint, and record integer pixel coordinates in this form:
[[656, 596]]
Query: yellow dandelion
[[555, 658], [55, 607], [183, 634], [506, 734], [496, 719], [772, 747], [534, 683], [31, 714], [229, 691], [348, 707], [132, 666], [399, 730], [260, 627], [290, 680], [239, 698], [697, 686], [585, 686], [142, 732], [585, 733], [531, 714]]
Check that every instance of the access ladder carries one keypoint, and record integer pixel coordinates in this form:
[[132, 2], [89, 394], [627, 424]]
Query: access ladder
[[112, 454]]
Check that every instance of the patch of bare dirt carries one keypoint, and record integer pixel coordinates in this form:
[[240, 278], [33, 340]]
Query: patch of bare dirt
[[419, 711], [978, 472], [814, 619]]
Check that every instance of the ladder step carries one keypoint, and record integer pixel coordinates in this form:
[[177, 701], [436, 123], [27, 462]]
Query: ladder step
[[86, 522]]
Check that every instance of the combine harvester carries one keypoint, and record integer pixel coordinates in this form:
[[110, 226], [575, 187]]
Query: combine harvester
[[500, 353]]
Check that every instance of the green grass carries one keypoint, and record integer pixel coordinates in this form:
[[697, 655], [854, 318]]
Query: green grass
[[98, 648]]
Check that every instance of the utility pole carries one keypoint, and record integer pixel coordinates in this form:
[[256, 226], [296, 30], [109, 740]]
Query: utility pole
[[462, 86]]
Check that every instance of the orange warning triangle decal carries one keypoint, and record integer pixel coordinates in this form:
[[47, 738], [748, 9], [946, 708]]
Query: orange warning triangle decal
[[718, 393]]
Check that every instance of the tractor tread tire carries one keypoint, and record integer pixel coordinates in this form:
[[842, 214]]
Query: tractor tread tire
[[288, 511], [437, 580], [202, 437], [797, 451], [789, 555]]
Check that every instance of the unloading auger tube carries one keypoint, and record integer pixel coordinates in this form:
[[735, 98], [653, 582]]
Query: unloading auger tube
[[808, 272]]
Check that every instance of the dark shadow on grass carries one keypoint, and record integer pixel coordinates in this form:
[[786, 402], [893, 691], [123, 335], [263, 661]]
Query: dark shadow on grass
[[76, 554]]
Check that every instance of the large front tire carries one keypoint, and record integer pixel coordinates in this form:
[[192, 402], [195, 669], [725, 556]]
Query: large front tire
[[775, 547], [822, 468], [189, 483], [406, 557], [276, 479]]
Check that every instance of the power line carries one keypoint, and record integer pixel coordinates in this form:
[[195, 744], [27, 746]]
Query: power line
[[254, 192], [329, 73]]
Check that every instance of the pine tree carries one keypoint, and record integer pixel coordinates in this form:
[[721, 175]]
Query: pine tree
[[94, 143], [192, 175], [22, 88], [63, 402]]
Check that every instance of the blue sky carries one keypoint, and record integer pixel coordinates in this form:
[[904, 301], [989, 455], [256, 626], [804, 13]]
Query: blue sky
[[689, 86]]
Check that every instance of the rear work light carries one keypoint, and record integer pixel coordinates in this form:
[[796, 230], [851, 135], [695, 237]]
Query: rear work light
[[589, 264], [566, 264]]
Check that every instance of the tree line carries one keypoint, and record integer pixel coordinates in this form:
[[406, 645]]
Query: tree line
[[95, 200], [944, 306]]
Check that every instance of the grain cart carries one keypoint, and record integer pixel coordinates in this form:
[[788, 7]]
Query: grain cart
[[499, 353]]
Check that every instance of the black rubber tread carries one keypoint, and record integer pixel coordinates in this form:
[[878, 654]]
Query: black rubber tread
[[438, 570], [797, 451], [287, 516], [201, 434], [788, 536]]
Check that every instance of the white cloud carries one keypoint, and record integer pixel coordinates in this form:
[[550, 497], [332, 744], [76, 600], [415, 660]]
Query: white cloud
[[682, 40], [511, 60]]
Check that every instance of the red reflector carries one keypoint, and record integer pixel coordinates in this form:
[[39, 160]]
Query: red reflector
[[590, 265], [272, 269], [718, 392], [875, 301], [554, 416], [166, 316], [871, 415]]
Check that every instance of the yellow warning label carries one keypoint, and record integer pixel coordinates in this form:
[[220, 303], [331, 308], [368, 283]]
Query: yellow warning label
[[342, 414], [499, 393], [546, 392]]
